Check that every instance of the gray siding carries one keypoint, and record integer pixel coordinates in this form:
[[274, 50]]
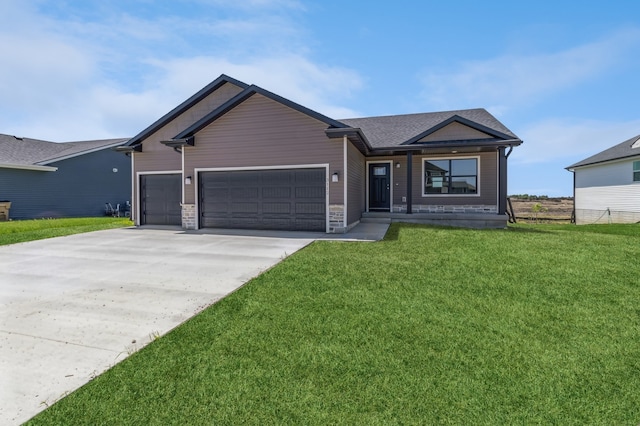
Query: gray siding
[[261, 132], [356, 184], [80, 187], [488, 180]]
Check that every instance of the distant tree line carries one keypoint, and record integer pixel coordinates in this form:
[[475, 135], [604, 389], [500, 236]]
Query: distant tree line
[[531, 197]]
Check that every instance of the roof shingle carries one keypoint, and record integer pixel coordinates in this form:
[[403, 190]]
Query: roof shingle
[[394, 130], [616, 152], [27, 151]]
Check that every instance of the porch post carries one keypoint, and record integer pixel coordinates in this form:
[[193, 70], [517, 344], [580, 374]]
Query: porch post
[[409, 182], [502, 181]]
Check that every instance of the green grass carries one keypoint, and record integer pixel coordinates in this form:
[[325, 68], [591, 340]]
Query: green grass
[[19, 231], [537, 324]]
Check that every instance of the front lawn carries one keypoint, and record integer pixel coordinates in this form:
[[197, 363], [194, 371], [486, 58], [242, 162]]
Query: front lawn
[[534, 324], [19, 231]]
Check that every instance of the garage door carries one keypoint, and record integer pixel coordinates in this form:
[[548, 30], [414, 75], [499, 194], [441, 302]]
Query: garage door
[[160, 197], [292, 199]]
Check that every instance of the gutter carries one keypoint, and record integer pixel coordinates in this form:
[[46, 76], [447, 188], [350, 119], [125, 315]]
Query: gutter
[[29, 167]]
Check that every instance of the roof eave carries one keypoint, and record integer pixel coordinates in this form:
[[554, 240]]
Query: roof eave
[[179, 143], [201, 94], [33, 167], [243, 96], [452, 144], [456, 118], [609, 160], [85, 152]]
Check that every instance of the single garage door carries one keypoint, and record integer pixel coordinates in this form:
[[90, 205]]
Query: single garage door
[[291, 199], [160, 197]]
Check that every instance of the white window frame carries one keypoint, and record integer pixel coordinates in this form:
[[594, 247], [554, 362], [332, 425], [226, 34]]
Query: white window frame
[[449, 195], [635, 167]]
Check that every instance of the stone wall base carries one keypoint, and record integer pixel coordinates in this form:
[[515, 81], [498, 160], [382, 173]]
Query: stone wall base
[[189, 216]]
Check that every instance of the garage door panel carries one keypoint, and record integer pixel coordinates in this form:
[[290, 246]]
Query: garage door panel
[[310, 192], [160, 197], [241, 208], [276, 208], [292, 199], [311, 208], [276, 192]]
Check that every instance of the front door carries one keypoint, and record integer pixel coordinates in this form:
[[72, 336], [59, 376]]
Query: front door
[[380, 187]]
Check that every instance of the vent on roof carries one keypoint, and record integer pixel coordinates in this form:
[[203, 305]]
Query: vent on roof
[[636, 144]]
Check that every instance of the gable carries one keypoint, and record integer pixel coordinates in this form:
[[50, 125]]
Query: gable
[[191, 115], [455, 131], [264, 120]]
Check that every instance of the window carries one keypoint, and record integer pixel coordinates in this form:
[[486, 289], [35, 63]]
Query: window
[[452, 176], [636, 171]]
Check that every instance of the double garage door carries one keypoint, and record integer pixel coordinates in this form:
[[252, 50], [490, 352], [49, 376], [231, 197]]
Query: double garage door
[[291, 199]]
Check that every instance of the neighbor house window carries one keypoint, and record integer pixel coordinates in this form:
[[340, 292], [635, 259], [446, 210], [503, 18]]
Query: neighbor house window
[[636, 171], [451, 176]]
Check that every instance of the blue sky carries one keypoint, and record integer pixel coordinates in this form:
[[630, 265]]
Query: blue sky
[[561, 75]]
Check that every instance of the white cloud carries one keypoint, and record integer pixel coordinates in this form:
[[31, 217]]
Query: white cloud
[[509, 80], [72, 80], [570, 139]]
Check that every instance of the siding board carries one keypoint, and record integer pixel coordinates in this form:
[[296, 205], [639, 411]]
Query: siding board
[[455, 131], [356, 185], [79, 188], [261, 132]]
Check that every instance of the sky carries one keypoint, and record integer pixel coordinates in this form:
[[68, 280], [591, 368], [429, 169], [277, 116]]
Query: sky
[[561, 75]]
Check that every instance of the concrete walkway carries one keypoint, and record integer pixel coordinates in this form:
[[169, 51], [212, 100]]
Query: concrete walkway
[[71, 307]]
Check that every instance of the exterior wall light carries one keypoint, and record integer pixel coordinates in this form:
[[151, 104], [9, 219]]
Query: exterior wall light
[[334, 177], [397, 164], [187, 180]]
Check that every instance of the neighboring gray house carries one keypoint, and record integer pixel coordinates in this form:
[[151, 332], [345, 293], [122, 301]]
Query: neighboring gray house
[[606, 186], [238, 156], [45, 179]]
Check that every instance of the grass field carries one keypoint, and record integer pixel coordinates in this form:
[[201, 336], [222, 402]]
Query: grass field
[[534, 324], [19, 231]]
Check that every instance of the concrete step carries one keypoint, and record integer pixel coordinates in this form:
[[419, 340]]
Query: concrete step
[[365, 219]]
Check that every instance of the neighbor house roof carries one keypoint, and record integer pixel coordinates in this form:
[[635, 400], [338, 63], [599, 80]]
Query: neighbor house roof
[[395, 130], [628, 148], [27, 153]]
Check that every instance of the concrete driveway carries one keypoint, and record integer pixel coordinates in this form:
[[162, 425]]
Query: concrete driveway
[[71, 307]]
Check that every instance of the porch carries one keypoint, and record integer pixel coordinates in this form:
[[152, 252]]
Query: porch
[[460, 220]]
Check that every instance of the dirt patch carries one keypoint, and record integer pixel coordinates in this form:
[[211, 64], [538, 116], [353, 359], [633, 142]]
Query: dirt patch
[[557, 210]]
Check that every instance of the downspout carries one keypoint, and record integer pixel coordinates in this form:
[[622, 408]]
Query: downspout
[[502, 180], [509, 152], [345, 219], [573, 212], [409, 182]]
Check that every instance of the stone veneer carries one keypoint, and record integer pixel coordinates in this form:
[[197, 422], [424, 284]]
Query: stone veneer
[[336, 219], [189, 216], [421, 208]]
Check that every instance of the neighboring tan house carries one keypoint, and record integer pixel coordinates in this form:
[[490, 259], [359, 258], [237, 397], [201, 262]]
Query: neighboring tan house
[[45, 179], [238, 156], [606, 186]]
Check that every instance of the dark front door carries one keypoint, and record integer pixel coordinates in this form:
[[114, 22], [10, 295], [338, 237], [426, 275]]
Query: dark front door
[[379, 187], [160, 199]]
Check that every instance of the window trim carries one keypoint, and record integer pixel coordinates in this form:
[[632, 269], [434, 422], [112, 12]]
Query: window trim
[[635, 170], [449, 195]]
